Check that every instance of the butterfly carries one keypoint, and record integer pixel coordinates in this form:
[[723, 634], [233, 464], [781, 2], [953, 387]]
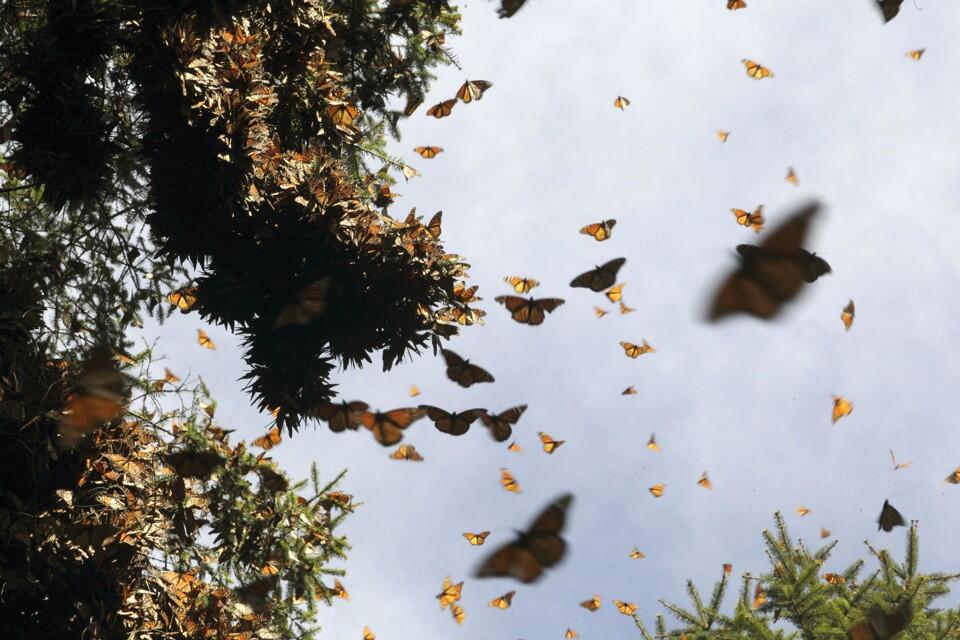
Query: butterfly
[[626, 608], [756, 71], [269, 440], [459, 615], [880, 625], [342, 415], [733, 5], [889, 8], [501, 425], [615, 293], [802, 511], [96, 397], [450, 594], [704, 481], [472, 90], [898, 465], [771, 274], [727, 568], [759, 597], [367, 634], [183, 298], [194, 464], [509, 7], [792, 177], [454, 423], [462, 372], [889, 518], [254, 594], [204, 340], [515, 448], [339, 590], [723, 135], [406, 452], [476, 539], [954, 478], [599, 278], [750, 220], [841, 407], [833, 578], [824, 533], [311, 303], [537, 548], [657, 490], [428, 152], [916, 54], [571, 634], [529, 310], [652, 443], [387, 427], [521, 285], [592, 604], [599, 312], [549, 444], [624, 309], [461, 292], [442, 109], [629, 391], [343, 114], [847, 316], [636, 554], [504, 601], [599, 230], [621, 103], [414, 391], [636, 350], [508, 482]]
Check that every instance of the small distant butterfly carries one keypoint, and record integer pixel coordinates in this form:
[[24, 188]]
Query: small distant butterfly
[[756, 71], [599, 230], [428, 152], [704, 481], [529, 310], [476, 539], [847, 315], [472, 90], [833, 578], [652, 443], [916, 54], [311, 302], [504, 601], [898, 465], [339, 590], [343, 114], [636, 350], [626, 608], [521, 285], [462, 372], [601, 277], [727, 568], [571, 634], [723, 135], [368, 635], [501, 425], [841, 408], [750, 220], [204, 340], [509, 7], [459, 615], [450, 594], [406, 452], [508, 482], [414, 391], [629, 391], [889, 518], [183, 299], [733, 5], [515, 448], [954, 478], [599, 312], [657, 490], [636, 554], [592, 604], [824, 533], [442, 109], [387, 427], [341, 415], [621, 103], [615, 292], [549, 444], [452, 422], [792, 177], [268, 441], [759, 597], [624, 309]]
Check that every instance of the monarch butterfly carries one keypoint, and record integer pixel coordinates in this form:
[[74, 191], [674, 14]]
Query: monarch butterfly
[[529, 310], [515, 448], [342, 415], [508, 482], [521, 285], [343, 114], [459, 615], [615, 293], [750, 220], [450, 594], [453, 423], [476, 539], [339, 590], [733, 5], [629, 391], [367, 634], [652, 443], [409, 172], [183, 298], [792, 177], [269, 440], [802, 511], [841, 408], [462, 315], [759, 597], [727, 568], [953, 478], [824, 533], [657, 490], [549, 444], [599, 230], [472, 90], [571, 634], [916, 54], [624, 309], [413, 102], [194, 464], [636, 350], [272, 567], [621, 103], [414, 391], [600, 312], [509, 7], [96, 398], [599, 278], [898, 465], [387, 427], [626, 608], [880, 625], [723, 135], [833, 578], [636, 554], [311, 302], [170, 377], [501, 425], [847, 315], [537, 548], [592, 604], [889, 518], [204, 340], [756, 71], [464, 294], [462, 372], [504, 601], [889, 8], [771, 274], [441, 109], [704, 481], [428, 152], [406, 452]]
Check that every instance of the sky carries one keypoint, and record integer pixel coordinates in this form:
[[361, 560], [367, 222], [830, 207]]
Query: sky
[[871, 133]]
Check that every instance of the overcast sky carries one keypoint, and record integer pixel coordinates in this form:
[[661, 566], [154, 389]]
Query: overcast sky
[[870, 132]]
